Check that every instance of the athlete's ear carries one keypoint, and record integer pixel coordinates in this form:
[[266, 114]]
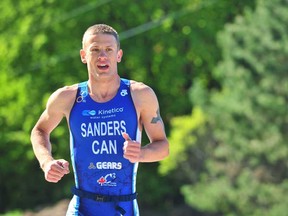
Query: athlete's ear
[[83, 56], [119, 55]]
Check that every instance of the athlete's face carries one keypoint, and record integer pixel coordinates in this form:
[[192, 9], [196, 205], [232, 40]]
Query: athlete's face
[[101, 54]]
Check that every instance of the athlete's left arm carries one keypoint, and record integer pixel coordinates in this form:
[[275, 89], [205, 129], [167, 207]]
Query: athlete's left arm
[[147, 106]]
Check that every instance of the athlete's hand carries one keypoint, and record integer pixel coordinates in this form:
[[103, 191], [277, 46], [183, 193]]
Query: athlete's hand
[[54, 170], [132, 149]]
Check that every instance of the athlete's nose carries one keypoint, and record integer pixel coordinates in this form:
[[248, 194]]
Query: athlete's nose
[[102, 55]]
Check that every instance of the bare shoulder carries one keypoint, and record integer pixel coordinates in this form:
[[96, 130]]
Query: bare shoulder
[[143, 95], [141, 89], [63, 98], [64, 94], [66, 91]]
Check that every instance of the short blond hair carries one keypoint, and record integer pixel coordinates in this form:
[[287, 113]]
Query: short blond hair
[[101, 29]]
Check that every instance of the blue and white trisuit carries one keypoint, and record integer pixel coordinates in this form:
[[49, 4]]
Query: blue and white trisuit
[[105, 182]]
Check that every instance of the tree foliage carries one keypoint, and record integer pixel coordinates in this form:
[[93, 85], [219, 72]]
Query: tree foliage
[[167, 44], [245, 163]]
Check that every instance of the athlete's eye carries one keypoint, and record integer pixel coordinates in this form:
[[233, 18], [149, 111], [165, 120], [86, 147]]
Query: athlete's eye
[[95, 50]]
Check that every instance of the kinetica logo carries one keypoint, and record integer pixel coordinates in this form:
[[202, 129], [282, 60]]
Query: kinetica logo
[[88, 112], [103, 111]]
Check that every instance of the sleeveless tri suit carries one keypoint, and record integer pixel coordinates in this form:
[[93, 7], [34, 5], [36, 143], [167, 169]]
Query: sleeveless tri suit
[[105, 182]]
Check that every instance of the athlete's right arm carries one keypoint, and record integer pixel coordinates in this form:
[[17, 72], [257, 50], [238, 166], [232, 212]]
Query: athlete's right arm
[[58, 106]]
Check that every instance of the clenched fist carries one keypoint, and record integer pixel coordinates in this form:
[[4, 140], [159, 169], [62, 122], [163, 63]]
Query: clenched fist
[[54, 170]]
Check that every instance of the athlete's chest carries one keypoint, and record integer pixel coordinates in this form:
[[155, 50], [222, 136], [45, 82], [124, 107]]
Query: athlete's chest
[[91, 119]]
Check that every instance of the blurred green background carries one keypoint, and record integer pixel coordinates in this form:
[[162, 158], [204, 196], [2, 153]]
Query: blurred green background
[[219, 69]]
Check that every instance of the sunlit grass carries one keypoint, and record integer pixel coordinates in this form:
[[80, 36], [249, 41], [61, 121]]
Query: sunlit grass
[[13, 213]]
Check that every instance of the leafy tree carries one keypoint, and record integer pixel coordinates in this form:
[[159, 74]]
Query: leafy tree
[[164, 41], [243, 162]]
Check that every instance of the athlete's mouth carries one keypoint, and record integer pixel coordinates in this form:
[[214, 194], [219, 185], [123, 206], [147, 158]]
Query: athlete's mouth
[[103, 66]]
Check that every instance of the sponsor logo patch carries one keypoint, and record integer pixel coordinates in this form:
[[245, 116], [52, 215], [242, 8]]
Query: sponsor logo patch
[[106, 165], [107, 180]]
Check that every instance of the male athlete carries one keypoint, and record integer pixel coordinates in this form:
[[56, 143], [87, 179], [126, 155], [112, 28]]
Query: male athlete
[[106, 116]]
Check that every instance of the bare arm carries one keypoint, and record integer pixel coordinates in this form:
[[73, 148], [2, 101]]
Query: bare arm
[[56, 108], [147, 105]]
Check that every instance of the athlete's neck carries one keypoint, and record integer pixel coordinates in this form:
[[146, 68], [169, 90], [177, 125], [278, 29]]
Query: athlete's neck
[[103, 90]]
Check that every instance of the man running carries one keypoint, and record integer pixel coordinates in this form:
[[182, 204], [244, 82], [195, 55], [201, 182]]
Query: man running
[[106, 116]]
